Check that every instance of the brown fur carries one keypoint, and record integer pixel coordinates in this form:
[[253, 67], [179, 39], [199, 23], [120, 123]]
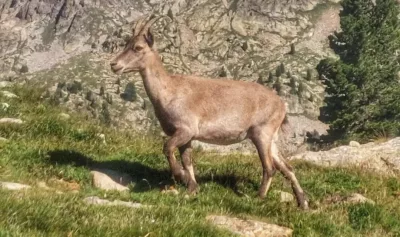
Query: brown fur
[[218, 111]]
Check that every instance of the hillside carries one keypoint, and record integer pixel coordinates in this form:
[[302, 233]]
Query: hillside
[[67, 45]]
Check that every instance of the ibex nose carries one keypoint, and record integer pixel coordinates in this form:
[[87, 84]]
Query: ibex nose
[[115, 67]]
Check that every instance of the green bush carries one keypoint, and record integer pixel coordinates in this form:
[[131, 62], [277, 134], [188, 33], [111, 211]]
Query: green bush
[[362, 87]]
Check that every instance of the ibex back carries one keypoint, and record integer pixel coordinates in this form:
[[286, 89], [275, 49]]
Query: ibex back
[[217, 111]]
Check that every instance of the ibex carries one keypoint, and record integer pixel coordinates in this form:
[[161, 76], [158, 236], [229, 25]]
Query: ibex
[[217, 111]]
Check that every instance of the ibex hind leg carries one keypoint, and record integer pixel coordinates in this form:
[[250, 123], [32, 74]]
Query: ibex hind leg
[[287, 171], [263, 144]]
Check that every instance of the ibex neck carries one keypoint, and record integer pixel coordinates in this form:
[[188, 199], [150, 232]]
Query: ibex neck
[[156, 81]]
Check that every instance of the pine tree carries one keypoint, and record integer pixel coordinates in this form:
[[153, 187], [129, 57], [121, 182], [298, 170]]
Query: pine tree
[[362, 86]]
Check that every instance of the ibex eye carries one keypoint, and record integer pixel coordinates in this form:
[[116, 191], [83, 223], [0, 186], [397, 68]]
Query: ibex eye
[[137, 48]]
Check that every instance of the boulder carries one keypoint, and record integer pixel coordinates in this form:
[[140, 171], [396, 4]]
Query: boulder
[[383, 158], [250, 228], [110, 180]]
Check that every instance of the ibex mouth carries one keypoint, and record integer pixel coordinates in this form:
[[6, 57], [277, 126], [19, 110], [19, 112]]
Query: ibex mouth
[[117, 71]]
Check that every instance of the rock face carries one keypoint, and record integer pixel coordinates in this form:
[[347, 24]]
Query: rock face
[[382, 157], [110, 180], [67, 46], [249, 228]]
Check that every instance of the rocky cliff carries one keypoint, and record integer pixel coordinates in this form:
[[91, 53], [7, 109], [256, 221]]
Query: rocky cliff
[[65, 45]]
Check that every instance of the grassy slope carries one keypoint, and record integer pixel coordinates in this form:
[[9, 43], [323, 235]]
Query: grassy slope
[[47, 148]]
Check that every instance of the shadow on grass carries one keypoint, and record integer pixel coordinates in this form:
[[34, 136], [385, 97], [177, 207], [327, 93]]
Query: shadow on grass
[[140, 173]]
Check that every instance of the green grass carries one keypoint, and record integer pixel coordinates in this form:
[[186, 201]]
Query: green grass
[[47, 148]]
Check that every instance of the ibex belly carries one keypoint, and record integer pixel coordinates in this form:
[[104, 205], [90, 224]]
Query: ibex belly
[[221, 135]]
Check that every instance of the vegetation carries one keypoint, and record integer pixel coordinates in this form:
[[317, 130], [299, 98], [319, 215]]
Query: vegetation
[[47, 148], [363, 87]]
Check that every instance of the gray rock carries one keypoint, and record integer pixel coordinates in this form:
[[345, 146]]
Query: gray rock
[[286, 197], [103, 202], [64, 116], [13, 186], [8, 94], [249, 228], [102, 137], [110, 180], [354, 144], [4, 106], [358, 198], [383, 158], [11, 120], [170, 191], [4, 84]]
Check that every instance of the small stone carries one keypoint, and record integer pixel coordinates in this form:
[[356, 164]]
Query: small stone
[[170, 191], [354, 144], [11, 120], [4, 84], [358, 198], [286, 197], [8, 94], [13, 186], [110, 180], [249, 227], [64, 116], [94, 200], [43, 185], [2, 139], [4, 106], [102, 137]]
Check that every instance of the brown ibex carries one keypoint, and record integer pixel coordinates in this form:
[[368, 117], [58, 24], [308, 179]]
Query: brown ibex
[[217, 111]]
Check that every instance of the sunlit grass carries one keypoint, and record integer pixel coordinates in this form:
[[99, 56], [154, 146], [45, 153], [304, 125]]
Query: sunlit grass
[[47, 147]]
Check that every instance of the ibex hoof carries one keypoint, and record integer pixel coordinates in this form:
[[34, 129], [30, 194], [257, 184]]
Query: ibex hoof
[[193, 188], [304, 205]]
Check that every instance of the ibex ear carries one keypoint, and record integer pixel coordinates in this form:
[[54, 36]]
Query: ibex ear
[[149, 38]]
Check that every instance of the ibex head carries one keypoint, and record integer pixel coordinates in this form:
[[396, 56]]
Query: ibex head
[[138, 49]]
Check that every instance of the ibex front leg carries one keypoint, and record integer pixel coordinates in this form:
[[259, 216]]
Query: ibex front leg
[[189, 179], [180, 138]]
